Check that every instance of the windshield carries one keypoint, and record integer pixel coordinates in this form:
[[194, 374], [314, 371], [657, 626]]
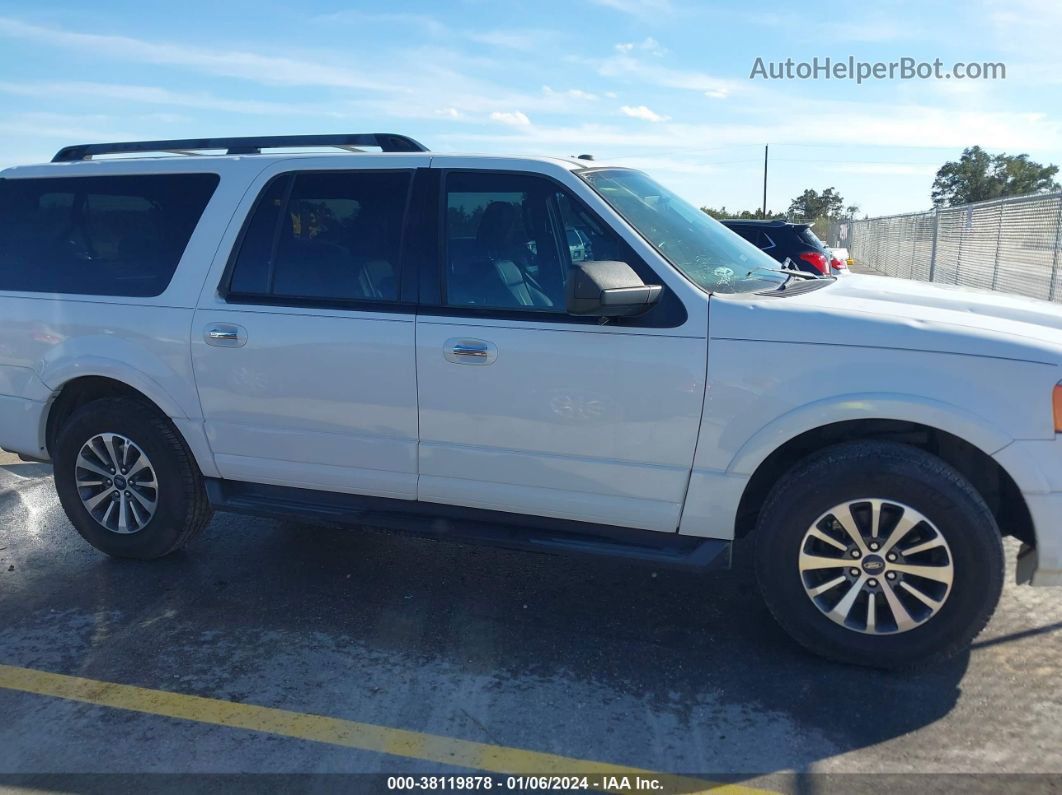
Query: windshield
[[709, 254]]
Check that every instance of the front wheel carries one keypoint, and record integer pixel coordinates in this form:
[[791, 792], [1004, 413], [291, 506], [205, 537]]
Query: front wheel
[[879, 554]]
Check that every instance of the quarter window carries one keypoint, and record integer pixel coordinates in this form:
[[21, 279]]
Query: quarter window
[[115, 235], [325, 235]]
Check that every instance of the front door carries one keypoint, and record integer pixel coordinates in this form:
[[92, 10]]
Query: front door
[[304, 358], [526, 409]]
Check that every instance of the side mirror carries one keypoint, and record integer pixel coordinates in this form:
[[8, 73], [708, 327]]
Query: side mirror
[[608, 289]]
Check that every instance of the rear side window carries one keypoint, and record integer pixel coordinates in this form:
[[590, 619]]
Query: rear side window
[[757, 237], [116, 235], [743, 232], [810, 237], [334, 236]]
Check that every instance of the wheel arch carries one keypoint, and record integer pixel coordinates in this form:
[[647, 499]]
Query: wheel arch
[[76, 392], [996, 486], [72, 394]]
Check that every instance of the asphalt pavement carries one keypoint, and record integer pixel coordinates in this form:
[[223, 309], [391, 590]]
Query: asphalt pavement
[[598, 660]]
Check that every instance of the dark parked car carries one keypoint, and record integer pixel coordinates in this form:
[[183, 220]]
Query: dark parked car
[[783, 240]]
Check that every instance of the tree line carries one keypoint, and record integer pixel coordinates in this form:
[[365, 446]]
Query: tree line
[[976, 176]]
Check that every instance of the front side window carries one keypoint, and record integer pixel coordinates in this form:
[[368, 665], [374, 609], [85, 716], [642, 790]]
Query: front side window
[[589, 239], [503, 248], [324, 236], [115, 235], [704, 250]]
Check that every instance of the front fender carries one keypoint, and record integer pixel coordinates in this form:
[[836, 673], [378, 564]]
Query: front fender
[[715, 492], [979, 431]]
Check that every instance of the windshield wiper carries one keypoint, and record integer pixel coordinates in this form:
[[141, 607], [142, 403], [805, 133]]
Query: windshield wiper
[[790, 267], [789, 274]]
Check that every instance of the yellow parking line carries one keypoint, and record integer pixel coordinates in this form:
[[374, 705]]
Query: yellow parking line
[[336, 731]]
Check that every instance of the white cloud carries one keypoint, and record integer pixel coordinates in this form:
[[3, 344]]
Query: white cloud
[[514, 118], [649, 45], [423, 80], [73, 89], [1018, 23], [881, 169], [626, 66], [1028, 32], [522, 39], [426, 23], [873, 28], [643, 9], [64, 126], [685, 166], [267, 69], [717, 93], [642, 112], [449, 113], [920, 127], [572, 93]]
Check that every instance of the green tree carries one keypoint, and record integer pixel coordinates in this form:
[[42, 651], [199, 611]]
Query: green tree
[[811, 205], [978, 176], [722, 213]]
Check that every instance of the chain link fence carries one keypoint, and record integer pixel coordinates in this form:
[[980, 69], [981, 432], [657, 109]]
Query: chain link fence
[[1013, 245]]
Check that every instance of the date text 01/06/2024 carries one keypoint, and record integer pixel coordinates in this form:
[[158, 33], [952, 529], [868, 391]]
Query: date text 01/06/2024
[[620, 783]]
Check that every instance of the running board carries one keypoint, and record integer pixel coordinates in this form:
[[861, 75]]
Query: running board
[[472, 525]]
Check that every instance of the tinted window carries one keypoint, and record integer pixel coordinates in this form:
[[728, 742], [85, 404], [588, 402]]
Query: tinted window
[[591, 239], [118, 235], [503, 249], [325, 235], [757, 237], [251, 274], [743, 232], [588, 238], [810, 237]]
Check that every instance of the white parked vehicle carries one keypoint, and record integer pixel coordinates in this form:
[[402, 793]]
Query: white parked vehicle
[[405, 338], [840, 260]]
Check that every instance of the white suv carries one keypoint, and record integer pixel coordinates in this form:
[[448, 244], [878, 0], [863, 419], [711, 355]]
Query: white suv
[[405, 339]]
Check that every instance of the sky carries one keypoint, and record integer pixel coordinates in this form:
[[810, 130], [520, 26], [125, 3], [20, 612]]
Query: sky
[[660, 85]]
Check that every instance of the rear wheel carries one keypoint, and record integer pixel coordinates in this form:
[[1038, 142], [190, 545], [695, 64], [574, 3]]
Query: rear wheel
[[879, 554], [127, 481]]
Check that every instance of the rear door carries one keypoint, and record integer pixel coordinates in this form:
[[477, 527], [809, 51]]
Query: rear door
[[526, 409], [303, 348]]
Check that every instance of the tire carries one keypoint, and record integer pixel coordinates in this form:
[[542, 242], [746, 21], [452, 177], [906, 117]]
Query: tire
[[180, 505], [909, 484]]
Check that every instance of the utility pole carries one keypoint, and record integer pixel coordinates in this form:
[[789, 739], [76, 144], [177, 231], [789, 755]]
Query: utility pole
[[765, 181]]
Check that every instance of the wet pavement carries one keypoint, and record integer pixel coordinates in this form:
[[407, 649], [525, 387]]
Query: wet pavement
[[595, 659]]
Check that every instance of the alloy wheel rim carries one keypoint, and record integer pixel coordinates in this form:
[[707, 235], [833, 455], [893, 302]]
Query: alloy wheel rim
[[876, 566], [116, 483]]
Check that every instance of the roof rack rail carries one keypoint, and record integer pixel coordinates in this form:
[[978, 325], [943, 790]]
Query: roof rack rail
[[388, 142]]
